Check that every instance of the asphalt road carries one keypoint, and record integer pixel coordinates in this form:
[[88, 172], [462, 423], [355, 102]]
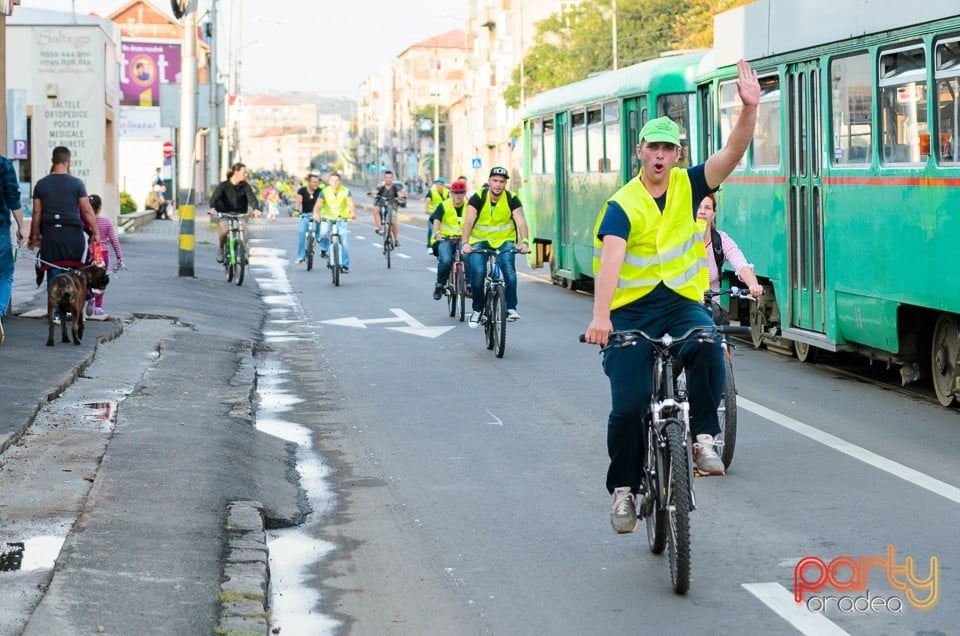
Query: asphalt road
[[449, 492], [469, 494]]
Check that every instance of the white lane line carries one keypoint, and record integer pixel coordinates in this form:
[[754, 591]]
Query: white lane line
[[780, 600], [905, 473]]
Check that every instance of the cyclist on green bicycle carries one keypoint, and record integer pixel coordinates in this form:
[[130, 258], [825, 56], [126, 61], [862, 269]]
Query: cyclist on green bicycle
[[337, 208], [651, 273], [233, 196], [447, 222], [495, 221]]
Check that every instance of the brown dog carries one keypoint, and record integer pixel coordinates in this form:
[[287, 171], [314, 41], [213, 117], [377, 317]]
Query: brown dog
[[68, 293]]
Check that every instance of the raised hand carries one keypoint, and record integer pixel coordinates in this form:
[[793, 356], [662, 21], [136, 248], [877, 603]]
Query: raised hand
[[747, 84]]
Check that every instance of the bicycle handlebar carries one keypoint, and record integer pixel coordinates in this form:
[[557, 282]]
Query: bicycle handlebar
[[491, 252], [733, 292], [627, 337]]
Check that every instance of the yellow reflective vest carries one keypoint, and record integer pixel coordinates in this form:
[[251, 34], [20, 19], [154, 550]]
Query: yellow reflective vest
[[494, 224], [438, 196], [335, 203], [665, 247], [451, 224]]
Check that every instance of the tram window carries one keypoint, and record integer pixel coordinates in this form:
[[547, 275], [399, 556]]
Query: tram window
[[851, 101], [766, 139], [611, 126], [536, 146], [730, 106], [948, 101], [549, 148], [578, 141], [676, 108], [903, 104], [594, 140]]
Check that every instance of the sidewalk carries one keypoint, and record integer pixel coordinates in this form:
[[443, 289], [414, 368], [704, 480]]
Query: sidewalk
[[147, 552]]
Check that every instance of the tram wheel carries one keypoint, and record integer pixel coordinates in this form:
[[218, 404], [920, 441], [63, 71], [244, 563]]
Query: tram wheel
[[943, 357]]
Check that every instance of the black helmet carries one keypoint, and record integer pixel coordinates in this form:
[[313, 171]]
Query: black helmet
[[499, 172]]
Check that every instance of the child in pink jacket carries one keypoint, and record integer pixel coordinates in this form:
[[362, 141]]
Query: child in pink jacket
[[107, 234]]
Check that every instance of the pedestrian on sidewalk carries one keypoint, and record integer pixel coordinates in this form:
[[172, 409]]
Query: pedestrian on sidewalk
[[107, 234], [10, 207], [61, 213]]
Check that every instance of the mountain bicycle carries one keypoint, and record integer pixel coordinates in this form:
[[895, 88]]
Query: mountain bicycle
[[667, 494], [235, 249], [456, 287], [494, 315], [334, 250], [311, 242]]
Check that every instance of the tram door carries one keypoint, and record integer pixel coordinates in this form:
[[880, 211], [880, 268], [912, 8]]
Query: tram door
[[635, 109], [805, 197], [564, 253]]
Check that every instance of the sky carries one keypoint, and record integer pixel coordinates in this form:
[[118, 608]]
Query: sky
[[314, 45]]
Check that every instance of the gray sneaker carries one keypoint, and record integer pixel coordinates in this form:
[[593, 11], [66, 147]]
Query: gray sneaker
[[475, 320], [705, 456], [513, 315], [623, 512]]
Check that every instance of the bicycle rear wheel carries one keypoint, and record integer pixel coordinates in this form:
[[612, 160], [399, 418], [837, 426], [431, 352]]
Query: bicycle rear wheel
[[228, 265], [653, 514], [727, 414], [500, 322], [241, 265], [451, 291], [311, 244], [678, 508]]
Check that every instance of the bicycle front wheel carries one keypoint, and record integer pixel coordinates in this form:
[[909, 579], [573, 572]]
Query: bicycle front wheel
[[460, 285], [500, 322], [311, 244], [388, 250], [678, 508], [335, 263], [241, 265], [487, 319], [727, 414]]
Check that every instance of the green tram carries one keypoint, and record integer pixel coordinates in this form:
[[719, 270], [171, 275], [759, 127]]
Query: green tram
[[579, 148], [848, 200]]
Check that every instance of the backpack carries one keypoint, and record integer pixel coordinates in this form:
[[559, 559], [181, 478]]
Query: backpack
[[717, 244]]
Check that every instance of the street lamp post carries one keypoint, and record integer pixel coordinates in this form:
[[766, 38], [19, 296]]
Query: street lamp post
[[436, 135]]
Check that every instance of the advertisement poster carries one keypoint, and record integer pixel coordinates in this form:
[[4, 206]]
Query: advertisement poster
[[145, 66]]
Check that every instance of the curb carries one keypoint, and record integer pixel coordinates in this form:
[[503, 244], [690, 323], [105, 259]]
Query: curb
[[245, 584]]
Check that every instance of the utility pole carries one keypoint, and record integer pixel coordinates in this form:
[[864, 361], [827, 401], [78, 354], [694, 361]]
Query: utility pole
[[213, 132], [188, 136], [616, 59]]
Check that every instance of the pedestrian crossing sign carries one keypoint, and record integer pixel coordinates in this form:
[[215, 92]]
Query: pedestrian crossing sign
[[475, 162]]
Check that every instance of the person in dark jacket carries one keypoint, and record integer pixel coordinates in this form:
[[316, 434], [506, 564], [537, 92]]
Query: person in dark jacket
[[233, 196]]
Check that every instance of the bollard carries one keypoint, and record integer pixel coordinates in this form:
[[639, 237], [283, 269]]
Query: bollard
[[187, 241]]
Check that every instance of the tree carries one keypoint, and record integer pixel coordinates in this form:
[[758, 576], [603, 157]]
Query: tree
[[572, 45]]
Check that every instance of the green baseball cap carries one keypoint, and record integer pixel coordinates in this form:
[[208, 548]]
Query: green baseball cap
[[661, 129]]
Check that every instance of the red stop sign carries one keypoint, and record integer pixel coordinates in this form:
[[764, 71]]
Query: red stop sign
[[167, 149]]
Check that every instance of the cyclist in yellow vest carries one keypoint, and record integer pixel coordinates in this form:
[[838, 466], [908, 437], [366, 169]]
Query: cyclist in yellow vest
[[650, 268], [337, 208], [437, 194], [447, 224], [494, 221]]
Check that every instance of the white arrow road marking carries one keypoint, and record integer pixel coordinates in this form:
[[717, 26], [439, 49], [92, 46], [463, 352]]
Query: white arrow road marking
[[414, 326], [780, 600], [497, 422]]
